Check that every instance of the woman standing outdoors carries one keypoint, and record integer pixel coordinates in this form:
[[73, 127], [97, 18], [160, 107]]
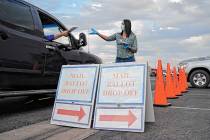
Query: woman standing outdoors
[[126, 42]]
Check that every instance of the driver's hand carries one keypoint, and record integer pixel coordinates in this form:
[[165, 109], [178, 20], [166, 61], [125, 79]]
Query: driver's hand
[[65, 33]]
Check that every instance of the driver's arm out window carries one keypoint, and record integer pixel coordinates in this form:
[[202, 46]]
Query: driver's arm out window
[[52, 30], [50, 27]]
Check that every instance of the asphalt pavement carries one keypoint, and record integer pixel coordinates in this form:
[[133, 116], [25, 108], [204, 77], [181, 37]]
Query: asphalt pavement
[[187, 118], [16, 112]]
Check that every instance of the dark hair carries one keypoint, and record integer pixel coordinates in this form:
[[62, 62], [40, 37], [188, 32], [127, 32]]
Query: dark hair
[[127, 23]]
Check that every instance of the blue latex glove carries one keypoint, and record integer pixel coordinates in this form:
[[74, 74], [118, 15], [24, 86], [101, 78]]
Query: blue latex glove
[[93, 31], [125, 45]]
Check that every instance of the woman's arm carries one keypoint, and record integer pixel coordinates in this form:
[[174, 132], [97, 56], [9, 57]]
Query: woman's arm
[[107, 38], [103, 36]]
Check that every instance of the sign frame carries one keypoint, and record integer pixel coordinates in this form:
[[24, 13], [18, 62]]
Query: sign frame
[[90, 114], [125, 65], [121, 105], [121, 129], [94, 85], [90, 102]]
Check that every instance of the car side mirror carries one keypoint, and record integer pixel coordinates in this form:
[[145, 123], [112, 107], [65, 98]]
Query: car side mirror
[[82, 40]]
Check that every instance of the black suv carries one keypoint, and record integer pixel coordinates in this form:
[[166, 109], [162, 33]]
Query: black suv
[[27, 60]]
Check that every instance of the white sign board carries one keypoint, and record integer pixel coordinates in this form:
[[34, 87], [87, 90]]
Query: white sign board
[[120, 119], [75, 96], [72, 113], [122, 84], [121, 95], [77, 83]]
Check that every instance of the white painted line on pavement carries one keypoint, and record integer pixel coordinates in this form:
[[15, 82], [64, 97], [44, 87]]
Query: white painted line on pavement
[[44, 130], [190, 108], [27, 132], [74, 134], [199, 94]]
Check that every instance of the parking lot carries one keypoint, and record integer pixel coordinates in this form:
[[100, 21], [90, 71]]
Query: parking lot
[[81, 70], [17, 112], [187, 118]]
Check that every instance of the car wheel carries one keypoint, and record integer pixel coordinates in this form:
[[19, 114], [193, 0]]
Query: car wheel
[[199, 79]]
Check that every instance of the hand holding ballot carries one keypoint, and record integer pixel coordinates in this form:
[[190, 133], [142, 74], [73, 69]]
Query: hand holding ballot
[[72, 29]]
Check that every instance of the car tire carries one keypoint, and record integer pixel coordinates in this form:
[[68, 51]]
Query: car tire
[[199, 79]]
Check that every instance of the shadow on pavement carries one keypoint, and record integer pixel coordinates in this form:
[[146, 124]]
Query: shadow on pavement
[[14, 105]]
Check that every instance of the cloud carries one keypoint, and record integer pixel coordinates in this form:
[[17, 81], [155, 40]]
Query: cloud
[[176, 1], [167, 29], [96, 6], [201, 40], [193, 39]]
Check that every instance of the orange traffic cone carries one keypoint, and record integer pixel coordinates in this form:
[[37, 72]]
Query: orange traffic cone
[[182, 80], [160, 95], [176, 83], [185, 80], [174, 86], [169, 89]]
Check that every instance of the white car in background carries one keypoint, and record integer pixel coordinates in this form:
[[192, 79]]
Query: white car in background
[[198, 71]]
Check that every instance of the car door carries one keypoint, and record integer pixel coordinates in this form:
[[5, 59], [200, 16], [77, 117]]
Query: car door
[[22, 48], [54, 60]]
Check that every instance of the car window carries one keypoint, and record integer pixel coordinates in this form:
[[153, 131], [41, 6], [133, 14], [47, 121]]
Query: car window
[[16, 13], [53, 29]]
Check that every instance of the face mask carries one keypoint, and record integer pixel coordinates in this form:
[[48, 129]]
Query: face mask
[[123, 27]]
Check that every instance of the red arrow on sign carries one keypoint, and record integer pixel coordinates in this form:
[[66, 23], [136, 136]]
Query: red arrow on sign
[[130, 118], [80, 113]]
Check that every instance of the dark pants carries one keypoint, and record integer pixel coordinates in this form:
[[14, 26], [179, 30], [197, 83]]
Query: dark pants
[[121, 60]]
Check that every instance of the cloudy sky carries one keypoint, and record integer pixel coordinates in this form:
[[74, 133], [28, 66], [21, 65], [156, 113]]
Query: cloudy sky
[[171, 30]]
